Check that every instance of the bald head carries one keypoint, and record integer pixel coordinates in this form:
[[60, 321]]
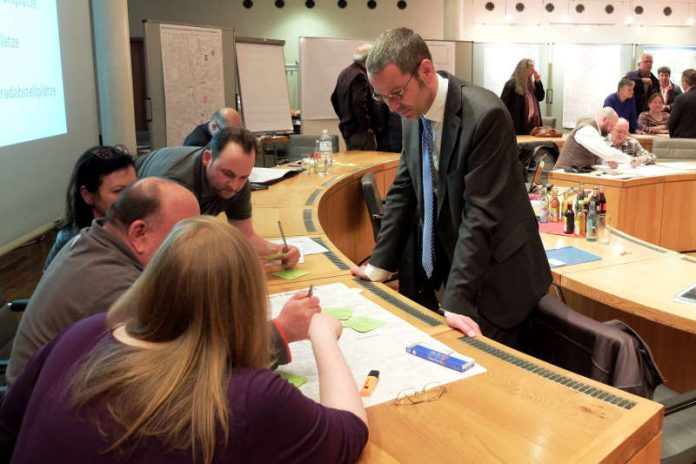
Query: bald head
[[225, 117], [619, 132], [360, 54], [145, 212], [606, 119]]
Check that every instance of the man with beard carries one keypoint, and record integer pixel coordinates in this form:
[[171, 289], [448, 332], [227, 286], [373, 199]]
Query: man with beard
[[585, 146], [218, 175]]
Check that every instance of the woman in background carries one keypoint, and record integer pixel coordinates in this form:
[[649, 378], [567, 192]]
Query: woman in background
[[655, 120], [99, 175], [522, 94], [176, 372]]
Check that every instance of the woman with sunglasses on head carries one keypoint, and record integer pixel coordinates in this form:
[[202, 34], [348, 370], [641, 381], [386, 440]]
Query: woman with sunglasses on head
[[99, 176], [176, 372]]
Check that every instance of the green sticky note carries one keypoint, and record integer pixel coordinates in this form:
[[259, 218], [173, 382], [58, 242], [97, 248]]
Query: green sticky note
[[290, 274], [363, 324], [339, 313], [293, 379]]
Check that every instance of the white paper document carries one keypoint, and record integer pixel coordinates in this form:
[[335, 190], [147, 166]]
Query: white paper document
[[268, 175], [305, 244], [382, 349]]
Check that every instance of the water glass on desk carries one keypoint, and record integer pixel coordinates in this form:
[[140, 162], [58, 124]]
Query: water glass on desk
[[602, 229], [321, 166], [308, 163]]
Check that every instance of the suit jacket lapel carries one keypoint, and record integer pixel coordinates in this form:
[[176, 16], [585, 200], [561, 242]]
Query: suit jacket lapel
[[450, 131]]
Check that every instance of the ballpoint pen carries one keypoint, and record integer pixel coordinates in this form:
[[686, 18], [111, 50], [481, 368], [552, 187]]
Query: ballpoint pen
[[282, 234], [310, 291]]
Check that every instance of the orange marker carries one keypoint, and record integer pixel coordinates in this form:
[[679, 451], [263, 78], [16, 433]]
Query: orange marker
[[370, 383]]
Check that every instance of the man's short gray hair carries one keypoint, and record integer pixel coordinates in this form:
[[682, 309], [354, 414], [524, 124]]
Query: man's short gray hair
[[400, 46]]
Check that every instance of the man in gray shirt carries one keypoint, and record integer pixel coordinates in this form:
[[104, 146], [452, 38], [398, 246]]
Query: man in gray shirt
[[96, 267], [218, 176]]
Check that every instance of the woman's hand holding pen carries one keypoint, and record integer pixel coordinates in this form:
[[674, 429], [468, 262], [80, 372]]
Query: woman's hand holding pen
[[296, 315]]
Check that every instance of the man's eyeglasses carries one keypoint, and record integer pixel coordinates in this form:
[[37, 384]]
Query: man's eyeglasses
[[394, 96], [413, 396], [106, 153]]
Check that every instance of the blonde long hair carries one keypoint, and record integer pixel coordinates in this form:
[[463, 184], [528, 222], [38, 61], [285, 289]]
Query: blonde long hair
[[519, 76], [202, 301]]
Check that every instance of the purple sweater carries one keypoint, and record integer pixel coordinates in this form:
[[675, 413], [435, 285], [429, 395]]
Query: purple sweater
[[271, 421]]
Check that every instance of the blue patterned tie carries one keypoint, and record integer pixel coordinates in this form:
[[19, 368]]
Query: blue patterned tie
[[428, 250]]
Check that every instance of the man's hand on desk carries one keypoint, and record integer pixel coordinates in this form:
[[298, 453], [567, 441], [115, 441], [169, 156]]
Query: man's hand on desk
[[463, 323], [612, 164], [296, 315], [291, 257], [359, 271]]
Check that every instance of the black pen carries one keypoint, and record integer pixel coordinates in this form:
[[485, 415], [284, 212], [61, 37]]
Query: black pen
[[311, 289], [282, 234]]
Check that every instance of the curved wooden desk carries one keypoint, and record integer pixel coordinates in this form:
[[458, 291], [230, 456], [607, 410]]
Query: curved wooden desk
[[659, 209], [520, 410], [646, 141]]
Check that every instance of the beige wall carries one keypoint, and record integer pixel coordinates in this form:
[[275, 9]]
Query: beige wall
[[295, 20]]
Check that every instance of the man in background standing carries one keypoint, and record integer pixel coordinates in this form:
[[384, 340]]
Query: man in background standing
[[646, 82], [682, 119], [203, 133], [353, 104]]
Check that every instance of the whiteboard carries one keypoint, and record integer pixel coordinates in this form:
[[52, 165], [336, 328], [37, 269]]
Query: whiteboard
[[322, 60], [190, 96], [591, 73], [677, 58], [263, 86], [499, 61]]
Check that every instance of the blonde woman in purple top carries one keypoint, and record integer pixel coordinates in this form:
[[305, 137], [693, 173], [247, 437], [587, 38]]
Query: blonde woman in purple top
[[176, 372]]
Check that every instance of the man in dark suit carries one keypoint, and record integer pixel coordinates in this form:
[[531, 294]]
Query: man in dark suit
[[646, 83], [202, 134], [480, 249], [354, 106], [682, 119]]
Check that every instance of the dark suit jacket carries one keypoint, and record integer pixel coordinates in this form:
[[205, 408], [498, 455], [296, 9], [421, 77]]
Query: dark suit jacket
[[639, 92], [199, 137], [485, 225], [516, 104], [352, 102], [682, 119]]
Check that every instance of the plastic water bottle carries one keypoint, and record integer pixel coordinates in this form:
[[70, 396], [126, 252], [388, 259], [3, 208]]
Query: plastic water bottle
[[326, 148]]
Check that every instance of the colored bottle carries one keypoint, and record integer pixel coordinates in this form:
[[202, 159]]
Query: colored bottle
[[569, 220], [544, 211], [601, 202], [555, 208], [591, 232], [580, 219]]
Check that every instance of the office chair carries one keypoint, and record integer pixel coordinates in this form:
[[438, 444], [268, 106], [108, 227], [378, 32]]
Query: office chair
[[374, 201], [609, 352], [679, 427], [299, 145], [531, 154]]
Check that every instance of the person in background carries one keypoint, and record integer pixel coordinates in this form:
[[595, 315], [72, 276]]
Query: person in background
[[668, 89], [624, 103], [177, 372], [522, 94], [646, 83], [218, 175], [353, 104], [585, 145], [618, 138], [99, 176], [203, 133], [682, 119], [654, 121]]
